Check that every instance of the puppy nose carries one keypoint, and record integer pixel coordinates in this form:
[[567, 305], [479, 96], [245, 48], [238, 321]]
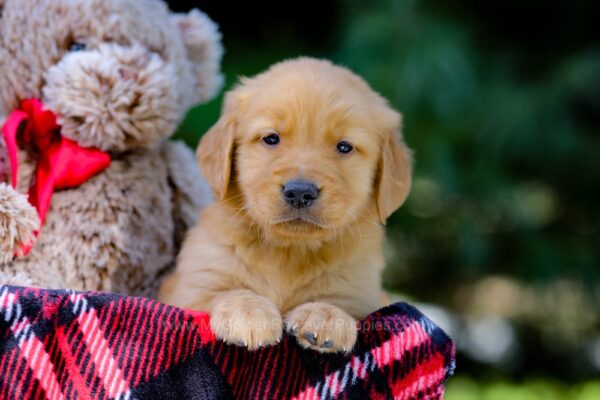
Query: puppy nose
[[300, 194]]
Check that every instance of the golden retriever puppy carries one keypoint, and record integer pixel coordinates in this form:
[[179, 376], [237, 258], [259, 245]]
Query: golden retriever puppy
[[306, 162]]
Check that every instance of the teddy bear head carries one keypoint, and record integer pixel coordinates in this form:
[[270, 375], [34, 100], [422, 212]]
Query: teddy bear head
[[119, 74]]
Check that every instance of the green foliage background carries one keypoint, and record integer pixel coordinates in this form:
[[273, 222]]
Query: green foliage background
[[501, 104]]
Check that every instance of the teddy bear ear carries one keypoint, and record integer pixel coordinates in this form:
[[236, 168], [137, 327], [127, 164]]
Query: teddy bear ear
[[202, 40]]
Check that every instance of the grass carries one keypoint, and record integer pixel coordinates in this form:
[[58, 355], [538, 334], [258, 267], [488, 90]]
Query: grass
[[464, 388]]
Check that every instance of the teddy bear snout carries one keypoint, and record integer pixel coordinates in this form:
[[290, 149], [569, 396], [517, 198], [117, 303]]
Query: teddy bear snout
[[115, 97]]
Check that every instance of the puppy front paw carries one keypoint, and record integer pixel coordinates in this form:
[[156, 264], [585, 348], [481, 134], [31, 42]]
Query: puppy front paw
[[322, 327], [246, 320]]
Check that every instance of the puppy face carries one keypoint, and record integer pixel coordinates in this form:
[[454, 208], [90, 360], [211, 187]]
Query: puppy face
[[307, 148]]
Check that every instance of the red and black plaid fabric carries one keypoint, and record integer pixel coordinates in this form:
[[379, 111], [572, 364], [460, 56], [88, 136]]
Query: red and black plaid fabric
[[70, 345]]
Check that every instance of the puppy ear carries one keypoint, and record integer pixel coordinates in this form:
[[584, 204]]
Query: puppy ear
[[215, 155], [203, 45], [393, 179]]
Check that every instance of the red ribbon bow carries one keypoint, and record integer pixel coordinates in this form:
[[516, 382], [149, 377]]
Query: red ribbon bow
[[61, 163]]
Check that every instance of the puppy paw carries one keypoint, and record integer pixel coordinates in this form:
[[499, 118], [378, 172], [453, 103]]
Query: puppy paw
[[246, 320], [322, 327]]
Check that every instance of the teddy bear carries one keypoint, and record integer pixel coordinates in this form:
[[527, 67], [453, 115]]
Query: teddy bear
[[93, 195]]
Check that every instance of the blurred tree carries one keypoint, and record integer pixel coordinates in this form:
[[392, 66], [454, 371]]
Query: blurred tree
[[502, 110]]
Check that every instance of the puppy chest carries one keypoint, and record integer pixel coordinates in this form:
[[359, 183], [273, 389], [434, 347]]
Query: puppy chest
[[289, 287]]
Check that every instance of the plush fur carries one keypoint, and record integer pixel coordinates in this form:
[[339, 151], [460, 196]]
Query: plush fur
[[260, 266], [120, 74], [18, 221]]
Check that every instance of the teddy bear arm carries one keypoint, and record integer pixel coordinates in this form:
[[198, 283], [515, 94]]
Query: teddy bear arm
[[191, 192]]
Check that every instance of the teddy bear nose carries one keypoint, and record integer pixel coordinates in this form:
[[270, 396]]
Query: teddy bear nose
[[128, 74]]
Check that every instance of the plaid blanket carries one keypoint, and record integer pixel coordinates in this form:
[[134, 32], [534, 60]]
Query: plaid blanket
[[70, 345]]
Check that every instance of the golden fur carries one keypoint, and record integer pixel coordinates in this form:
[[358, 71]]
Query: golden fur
[[249, 261]]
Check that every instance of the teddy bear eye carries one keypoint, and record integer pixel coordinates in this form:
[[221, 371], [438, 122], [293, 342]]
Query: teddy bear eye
[[272, 139], [344, 147], [77, 46]]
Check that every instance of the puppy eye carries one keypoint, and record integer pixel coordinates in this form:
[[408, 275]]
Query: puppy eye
[[272, 139], [76, 46], [344, 147]]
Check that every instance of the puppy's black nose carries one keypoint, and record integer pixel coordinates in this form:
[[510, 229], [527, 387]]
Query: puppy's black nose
[[300, 194]]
